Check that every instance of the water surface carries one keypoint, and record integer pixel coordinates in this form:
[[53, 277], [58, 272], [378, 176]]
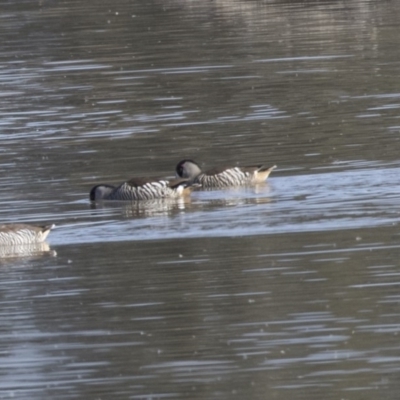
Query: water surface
[[288, 289]]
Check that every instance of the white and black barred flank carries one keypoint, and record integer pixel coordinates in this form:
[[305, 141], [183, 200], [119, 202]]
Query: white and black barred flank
[[142, 189], [17, 234], [223, 177]]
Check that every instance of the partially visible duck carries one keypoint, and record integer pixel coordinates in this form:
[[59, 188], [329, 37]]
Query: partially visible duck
[[223, 177], [16, 234], [142, 189]]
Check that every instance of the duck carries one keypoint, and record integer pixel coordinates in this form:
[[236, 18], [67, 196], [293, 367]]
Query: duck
[[142, 189], [16, 234], [222, 177]]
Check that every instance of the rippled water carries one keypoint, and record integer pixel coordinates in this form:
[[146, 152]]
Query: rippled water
[[287, 289]]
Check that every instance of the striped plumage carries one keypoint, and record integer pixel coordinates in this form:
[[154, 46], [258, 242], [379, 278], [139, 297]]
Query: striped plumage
[[16, 234], [142, 189], [223, 177]]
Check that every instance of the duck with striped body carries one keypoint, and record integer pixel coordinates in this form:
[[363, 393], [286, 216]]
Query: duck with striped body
[[218, 178], [16, 234], [142, 189]]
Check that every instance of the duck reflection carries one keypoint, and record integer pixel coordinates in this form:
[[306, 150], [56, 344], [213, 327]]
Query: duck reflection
[[146, 208], [234, 202], [236, 196], [26, 250]]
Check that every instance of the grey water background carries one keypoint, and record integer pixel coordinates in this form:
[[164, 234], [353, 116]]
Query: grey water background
[[286, 290]]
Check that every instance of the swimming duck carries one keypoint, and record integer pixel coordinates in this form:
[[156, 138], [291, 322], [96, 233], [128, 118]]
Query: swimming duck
[[142, 189], [16, 234], [223, 177]]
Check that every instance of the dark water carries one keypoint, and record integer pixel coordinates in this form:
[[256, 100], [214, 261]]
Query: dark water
[[285, 290]]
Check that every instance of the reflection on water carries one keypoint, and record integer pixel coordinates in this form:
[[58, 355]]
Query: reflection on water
[[145, 208], [26, 250]]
